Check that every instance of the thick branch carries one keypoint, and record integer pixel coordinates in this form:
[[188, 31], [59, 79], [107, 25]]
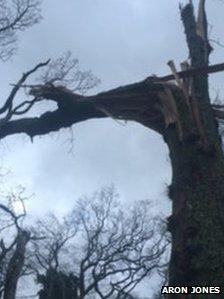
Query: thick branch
[[139, 102], [48, 122], [136, 102], [194, 72], [12, 215]]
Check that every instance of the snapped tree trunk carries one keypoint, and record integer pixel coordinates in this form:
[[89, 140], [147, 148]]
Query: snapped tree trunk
[[197, 189]]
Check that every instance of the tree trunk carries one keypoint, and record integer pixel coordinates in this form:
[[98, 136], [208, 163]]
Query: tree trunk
[[197, 189], [15, 266], [197, 221]]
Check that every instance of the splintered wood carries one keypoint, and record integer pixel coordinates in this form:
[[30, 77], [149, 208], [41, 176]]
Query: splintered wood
[[189, 96], [179, 82], [169, 109]]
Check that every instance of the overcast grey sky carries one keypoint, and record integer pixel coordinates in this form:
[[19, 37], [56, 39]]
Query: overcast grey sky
[[121, 41]]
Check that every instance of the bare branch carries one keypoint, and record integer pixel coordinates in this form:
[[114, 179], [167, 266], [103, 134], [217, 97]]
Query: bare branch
[[16, 15], [65, 71], [9, 102]]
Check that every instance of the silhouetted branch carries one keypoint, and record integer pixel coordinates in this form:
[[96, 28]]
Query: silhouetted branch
[[15, 16], [9, 102]]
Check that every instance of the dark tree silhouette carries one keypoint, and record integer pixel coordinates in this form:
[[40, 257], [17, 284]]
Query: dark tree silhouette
[[13, 244], [57, 285], [100, 248]]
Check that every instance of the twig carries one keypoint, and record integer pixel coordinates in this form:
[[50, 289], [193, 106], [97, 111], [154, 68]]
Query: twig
[[8, 103]]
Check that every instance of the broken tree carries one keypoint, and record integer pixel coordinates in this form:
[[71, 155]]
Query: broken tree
[[182, 113]]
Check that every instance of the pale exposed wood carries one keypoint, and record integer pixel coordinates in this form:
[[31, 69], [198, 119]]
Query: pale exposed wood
[[169, 110], [180, 83]]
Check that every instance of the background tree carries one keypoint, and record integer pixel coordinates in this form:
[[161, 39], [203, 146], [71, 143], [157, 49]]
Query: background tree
[[15, 16], [13, 244], [99, 248], [58, 285]]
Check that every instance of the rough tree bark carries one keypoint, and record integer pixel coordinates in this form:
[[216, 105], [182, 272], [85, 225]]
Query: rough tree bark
[[197, 188], [183, 115]]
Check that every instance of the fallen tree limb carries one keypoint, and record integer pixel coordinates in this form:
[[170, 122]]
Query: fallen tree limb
[[137, 102]]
